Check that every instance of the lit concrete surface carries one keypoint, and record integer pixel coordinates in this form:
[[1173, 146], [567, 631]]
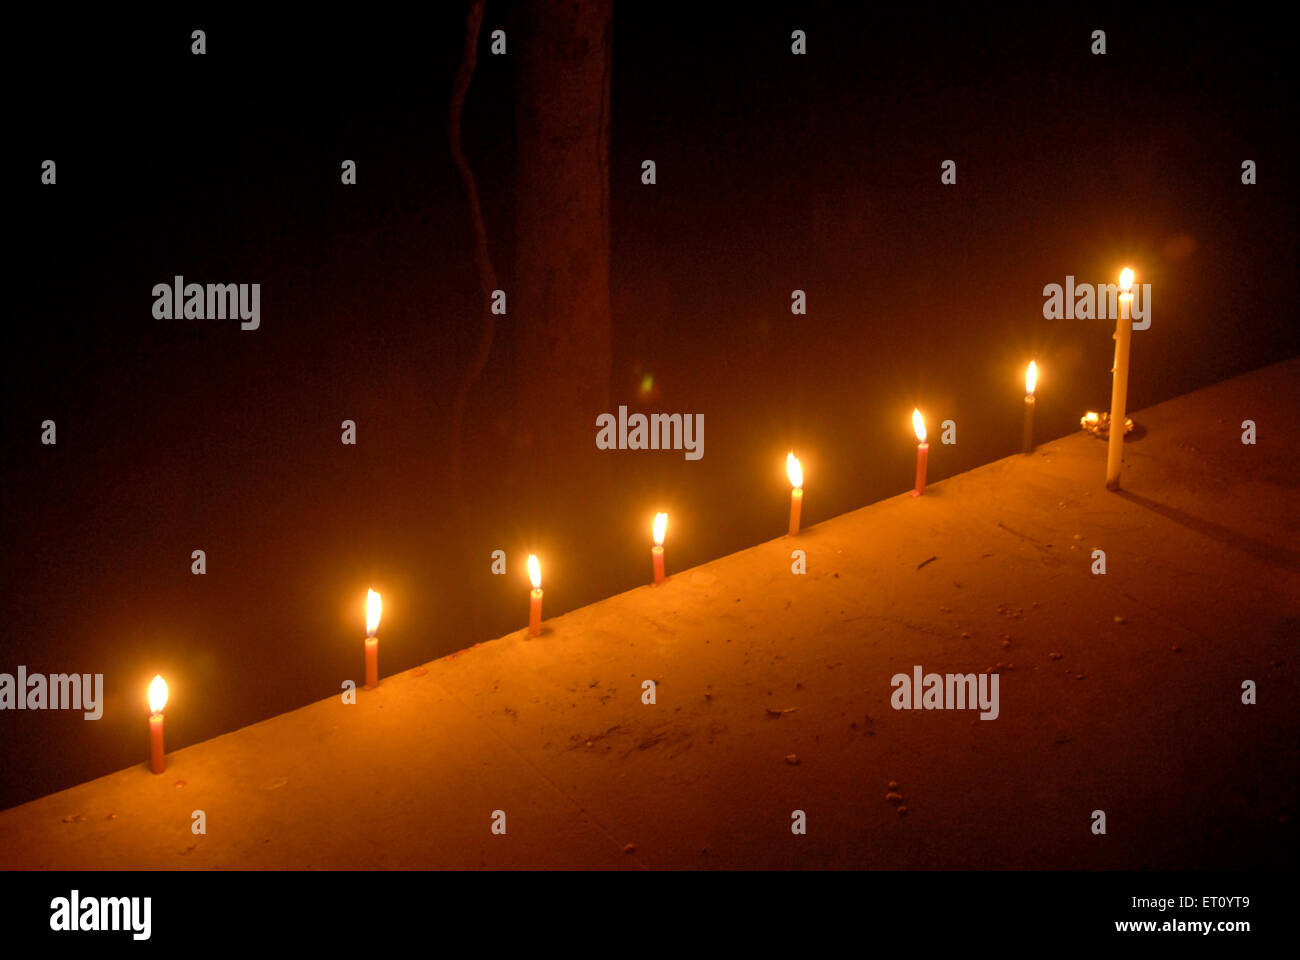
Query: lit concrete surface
[[1140, 716]]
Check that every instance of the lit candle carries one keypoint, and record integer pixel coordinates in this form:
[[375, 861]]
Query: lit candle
[[1119, 382], [535, 606], [657, 551], [922, 452], [1031, 380], [157, 700], [796, 494], [374, 609]]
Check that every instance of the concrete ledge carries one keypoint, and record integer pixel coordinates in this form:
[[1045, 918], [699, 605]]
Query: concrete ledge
[[1119, 692]]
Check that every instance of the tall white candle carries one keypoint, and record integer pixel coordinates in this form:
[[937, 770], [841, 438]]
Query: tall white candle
[[1119, 382]]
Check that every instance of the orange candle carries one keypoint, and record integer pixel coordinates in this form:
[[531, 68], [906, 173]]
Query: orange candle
[[657, 551], [1031, 380], [157, 700], [922, 452], [795, 473], [374, 610], [535, 604]]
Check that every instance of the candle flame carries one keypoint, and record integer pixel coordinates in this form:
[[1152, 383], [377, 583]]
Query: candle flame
[[1090, 417], [157, 694], [661, 522], [374, 610], [1125, 279], [918, 425], [534, 571], [1031, 378], [794, 470]]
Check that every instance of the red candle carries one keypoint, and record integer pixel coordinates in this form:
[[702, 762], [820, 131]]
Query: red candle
[[922, 452], [157, 700], [795, 472], [657, 551], [374, 610], [535, 604]]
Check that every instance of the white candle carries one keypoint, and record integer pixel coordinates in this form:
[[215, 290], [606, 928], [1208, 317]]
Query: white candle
[[1119, 382]]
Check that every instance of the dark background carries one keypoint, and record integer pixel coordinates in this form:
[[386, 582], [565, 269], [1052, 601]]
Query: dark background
[[775, 172]]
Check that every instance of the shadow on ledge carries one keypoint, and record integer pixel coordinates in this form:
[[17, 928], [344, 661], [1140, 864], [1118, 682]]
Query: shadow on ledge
[[1269, 553]]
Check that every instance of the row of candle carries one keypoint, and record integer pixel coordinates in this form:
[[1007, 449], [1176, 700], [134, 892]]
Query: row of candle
[[374, 603]]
